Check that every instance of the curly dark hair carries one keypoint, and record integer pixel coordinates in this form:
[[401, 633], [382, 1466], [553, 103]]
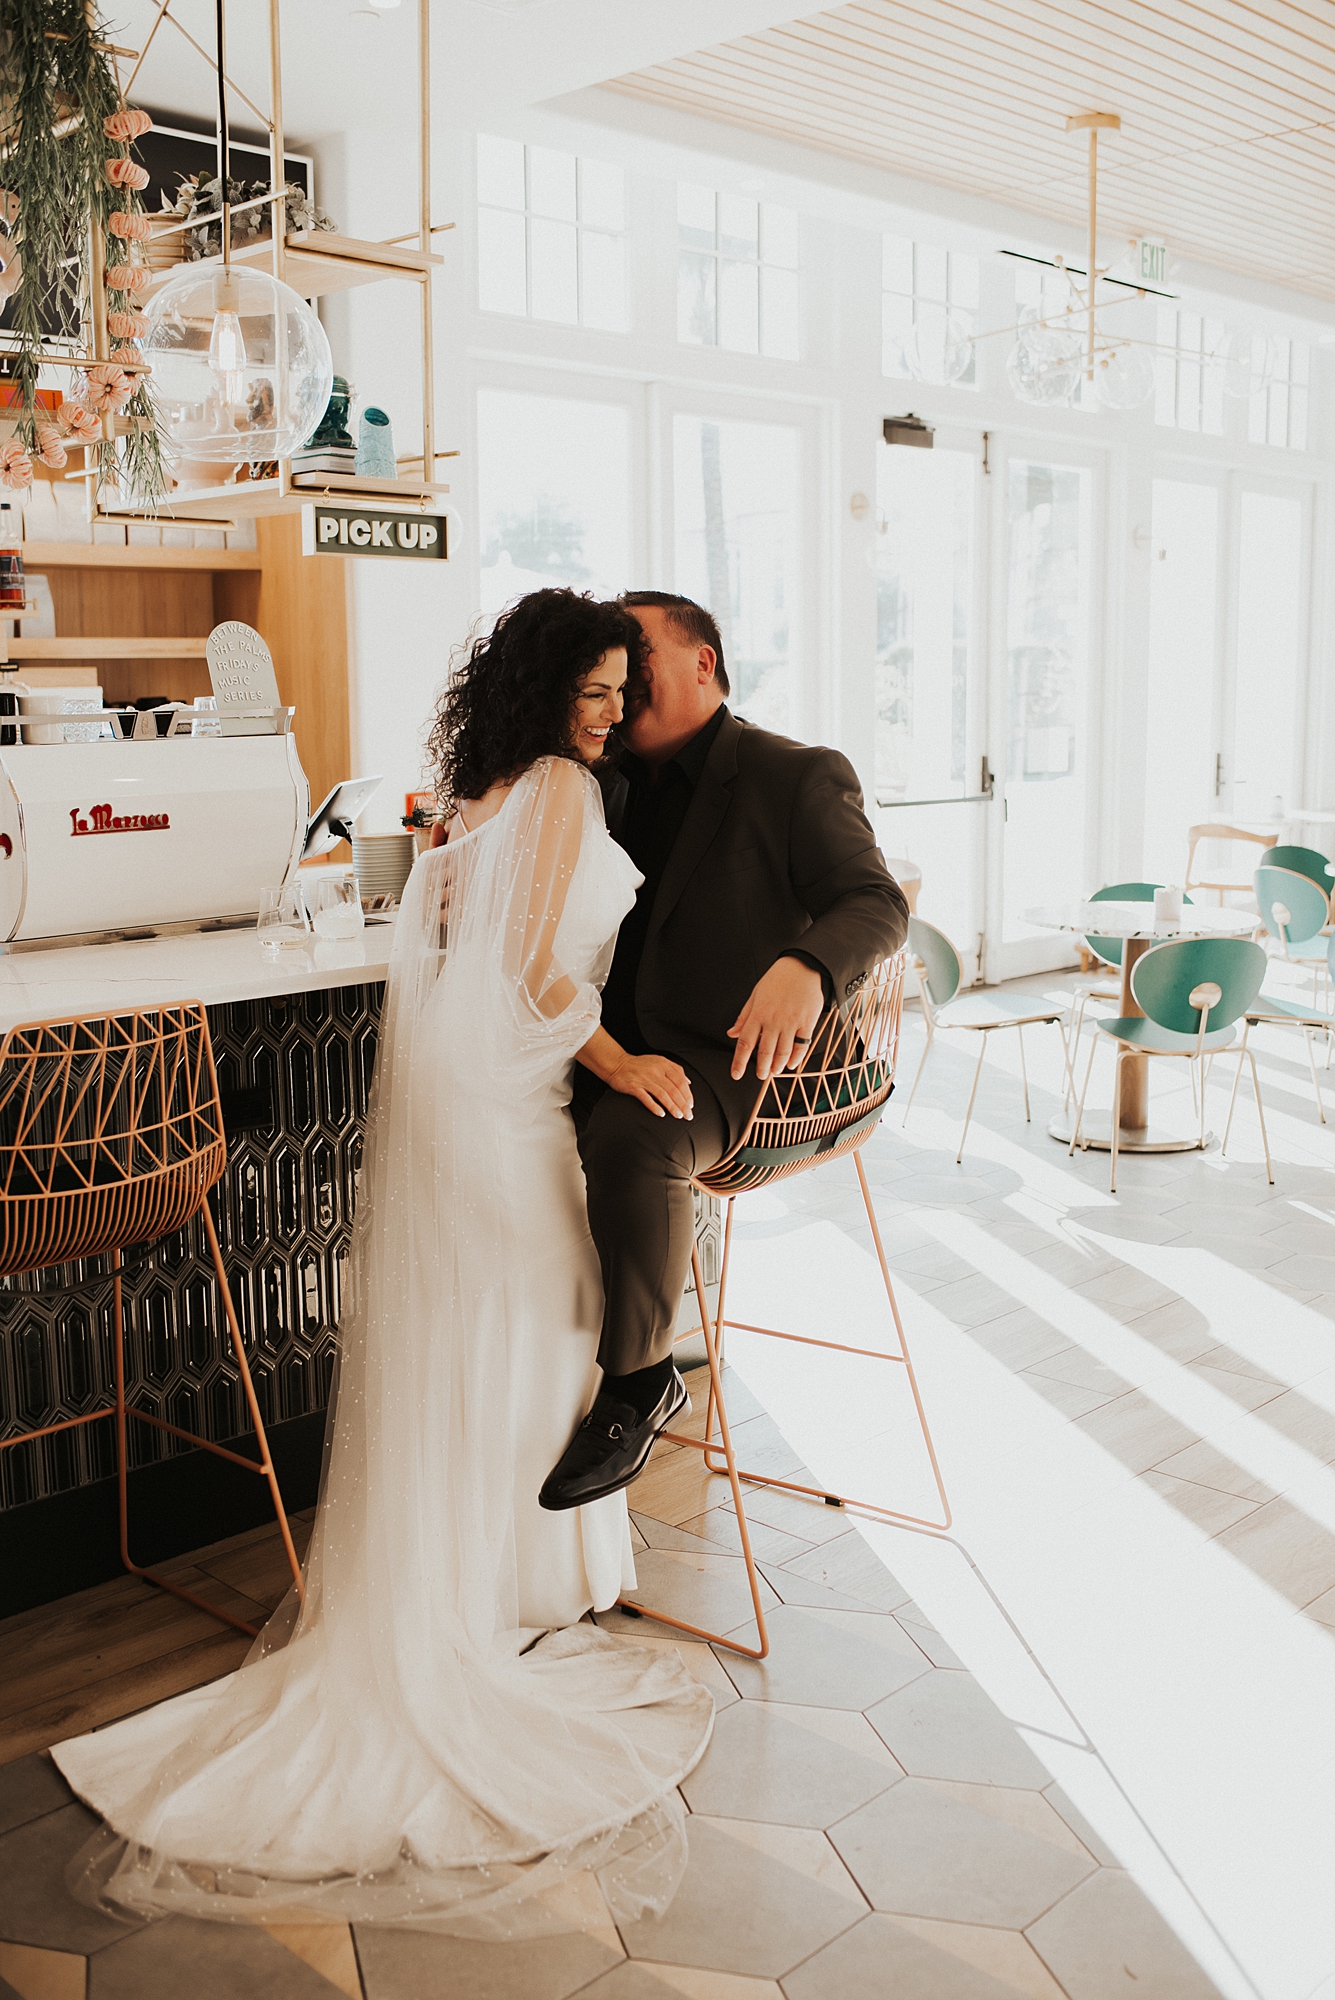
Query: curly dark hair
[[511, 698]]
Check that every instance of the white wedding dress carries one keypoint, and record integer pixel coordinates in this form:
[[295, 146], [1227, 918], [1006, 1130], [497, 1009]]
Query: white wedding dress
[[432, 1738]]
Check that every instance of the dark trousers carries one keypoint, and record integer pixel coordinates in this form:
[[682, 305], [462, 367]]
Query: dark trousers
[[641, 1210]]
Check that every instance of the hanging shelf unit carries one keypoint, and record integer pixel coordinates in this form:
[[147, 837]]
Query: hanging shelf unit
[[315, 263], [321, 261]]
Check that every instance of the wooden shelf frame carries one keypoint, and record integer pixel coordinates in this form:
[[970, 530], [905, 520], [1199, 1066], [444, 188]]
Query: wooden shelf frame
[[315, 262], [103, 649], [319, 262], [227, 505], [39, 556]]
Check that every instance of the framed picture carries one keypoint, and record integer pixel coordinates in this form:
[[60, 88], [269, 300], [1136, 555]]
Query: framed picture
[[171, 154]]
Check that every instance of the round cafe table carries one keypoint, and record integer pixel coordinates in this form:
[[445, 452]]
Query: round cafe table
[[1134, 923]]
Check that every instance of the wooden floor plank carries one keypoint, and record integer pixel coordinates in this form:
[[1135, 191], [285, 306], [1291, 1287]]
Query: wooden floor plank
[[261, 1571], [123, 1694], [103, 1642]]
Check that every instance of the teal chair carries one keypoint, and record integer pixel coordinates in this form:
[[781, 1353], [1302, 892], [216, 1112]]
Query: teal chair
[[1193, 991], [1295, 911], [1292, 1014], [1301, 861], [936, 964], [1109, 949]]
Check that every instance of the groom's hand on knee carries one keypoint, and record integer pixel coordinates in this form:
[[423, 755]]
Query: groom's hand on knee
[[778, 1020]]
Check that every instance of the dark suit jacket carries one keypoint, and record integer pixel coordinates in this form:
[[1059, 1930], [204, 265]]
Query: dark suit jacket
[[775, 852]]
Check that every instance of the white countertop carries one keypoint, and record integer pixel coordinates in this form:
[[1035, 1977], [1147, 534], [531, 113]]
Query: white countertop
[[212, 966]]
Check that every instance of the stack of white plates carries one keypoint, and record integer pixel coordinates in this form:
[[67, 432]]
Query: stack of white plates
[[382, 862]]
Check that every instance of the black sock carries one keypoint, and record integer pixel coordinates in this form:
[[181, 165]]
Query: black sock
[[643, 1389]]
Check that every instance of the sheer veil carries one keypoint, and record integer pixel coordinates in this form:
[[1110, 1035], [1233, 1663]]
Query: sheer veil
[[398, 1748]]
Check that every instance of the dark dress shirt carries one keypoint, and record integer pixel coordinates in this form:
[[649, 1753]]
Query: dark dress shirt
[[655, 811], [656, 806]]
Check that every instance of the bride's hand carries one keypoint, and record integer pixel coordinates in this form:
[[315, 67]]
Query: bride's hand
[[661, 1086]]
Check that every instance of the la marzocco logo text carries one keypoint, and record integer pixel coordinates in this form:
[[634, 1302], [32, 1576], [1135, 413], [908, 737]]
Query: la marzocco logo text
[[101, 819]]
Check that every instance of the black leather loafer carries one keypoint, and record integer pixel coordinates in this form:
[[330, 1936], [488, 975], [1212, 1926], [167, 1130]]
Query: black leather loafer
[[609, 1448]]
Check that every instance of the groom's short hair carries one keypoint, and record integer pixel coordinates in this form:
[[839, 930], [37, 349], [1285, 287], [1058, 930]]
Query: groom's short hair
[[690, 621]]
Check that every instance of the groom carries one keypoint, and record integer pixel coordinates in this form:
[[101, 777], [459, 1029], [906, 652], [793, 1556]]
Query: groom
[[765, 899]]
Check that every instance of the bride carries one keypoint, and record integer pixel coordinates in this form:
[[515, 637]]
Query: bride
[[432, 1737]]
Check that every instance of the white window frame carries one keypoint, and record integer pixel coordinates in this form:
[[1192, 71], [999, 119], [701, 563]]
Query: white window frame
[[582, 229], [817, 697], [761, 264]]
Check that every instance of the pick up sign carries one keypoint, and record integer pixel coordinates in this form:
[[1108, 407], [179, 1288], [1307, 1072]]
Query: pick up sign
[[372, 531]]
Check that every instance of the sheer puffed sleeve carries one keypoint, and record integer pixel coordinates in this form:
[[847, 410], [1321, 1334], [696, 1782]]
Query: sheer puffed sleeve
[[532, 902]]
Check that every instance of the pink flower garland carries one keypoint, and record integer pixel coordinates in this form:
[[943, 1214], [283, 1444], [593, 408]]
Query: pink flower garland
[[15, 465]]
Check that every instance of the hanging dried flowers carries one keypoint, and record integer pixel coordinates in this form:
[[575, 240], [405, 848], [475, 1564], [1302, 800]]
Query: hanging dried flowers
[[51, 446], [131, 228], [79, 421], [127, 124], [65, 139], [15, 465]]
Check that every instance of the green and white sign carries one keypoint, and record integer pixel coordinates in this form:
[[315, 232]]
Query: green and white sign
[[373, 531], [1150, 260]]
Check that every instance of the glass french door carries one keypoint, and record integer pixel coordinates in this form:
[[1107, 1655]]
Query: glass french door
[[1046, 503], [739, 525], [932, 789], [1261, 773], [1230, 584], [558, 464]]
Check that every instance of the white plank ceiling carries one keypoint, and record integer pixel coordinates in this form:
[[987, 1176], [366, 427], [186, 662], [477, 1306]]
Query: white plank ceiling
[[1227, 147]]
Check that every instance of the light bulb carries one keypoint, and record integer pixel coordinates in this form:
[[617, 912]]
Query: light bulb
[[227, 347]]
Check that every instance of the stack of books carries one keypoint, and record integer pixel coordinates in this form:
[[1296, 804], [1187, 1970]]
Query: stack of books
[[325, 458]]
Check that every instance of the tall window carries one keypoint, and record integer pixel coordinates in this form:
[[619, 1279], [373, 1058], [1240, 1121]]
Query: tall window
[[736, 273], [1188, 385], [1048, 673], [1278, 408], [1180, 744], [924, 575], [1270, 643], [929, 303], [551, 235], [736, 498], [554, 499]]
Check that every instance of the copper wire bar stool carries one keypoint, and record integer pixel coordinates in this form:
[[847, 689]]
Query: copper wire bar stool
[[803, 1119], [111, 1135]]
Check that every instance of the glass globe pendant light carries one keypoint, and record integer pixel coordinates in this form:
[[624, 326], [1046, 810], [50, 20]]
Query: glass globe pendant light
[[1245, 362], [241, 365], [938, 348], [1124, 378], [1043, 367]]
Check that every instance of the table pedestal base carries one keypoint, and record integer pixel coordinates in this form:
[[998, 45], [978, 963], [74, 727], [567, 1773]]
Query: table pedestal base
[[1096, 1133]]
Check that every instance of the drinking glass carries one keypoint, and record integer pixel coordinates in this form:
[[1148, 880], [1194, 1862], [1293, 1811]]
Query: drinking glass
[[282, 921], [336, 907]]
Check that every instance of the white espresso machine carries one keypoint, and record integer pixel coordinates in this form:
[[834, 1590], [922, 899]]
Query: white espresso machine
[[116, 822], [103, 838]]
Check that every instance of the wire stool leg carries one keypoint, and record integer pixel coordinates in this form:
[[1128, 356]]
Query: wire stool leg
[[264, 1467], [243, 1366], [891, 1516], [710, 1330]]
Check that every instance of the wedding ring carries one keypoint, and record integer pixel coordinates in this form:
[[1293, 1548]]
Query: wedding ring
[[801, 1038]]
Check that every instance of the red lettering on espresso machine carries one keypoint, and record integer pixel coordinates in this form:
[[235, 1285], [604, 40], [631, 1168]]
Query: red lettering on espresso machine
[[104, 820]]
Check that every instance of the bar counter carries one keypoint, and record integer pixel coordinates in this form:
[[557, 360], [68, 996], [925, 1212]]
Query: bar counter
[[213, 966], [294, 1039]]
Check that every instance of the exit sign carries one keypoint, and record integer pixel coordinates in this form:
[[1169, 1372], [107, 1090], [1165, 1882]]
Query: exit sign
[[1149, 261], [373, 531]]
